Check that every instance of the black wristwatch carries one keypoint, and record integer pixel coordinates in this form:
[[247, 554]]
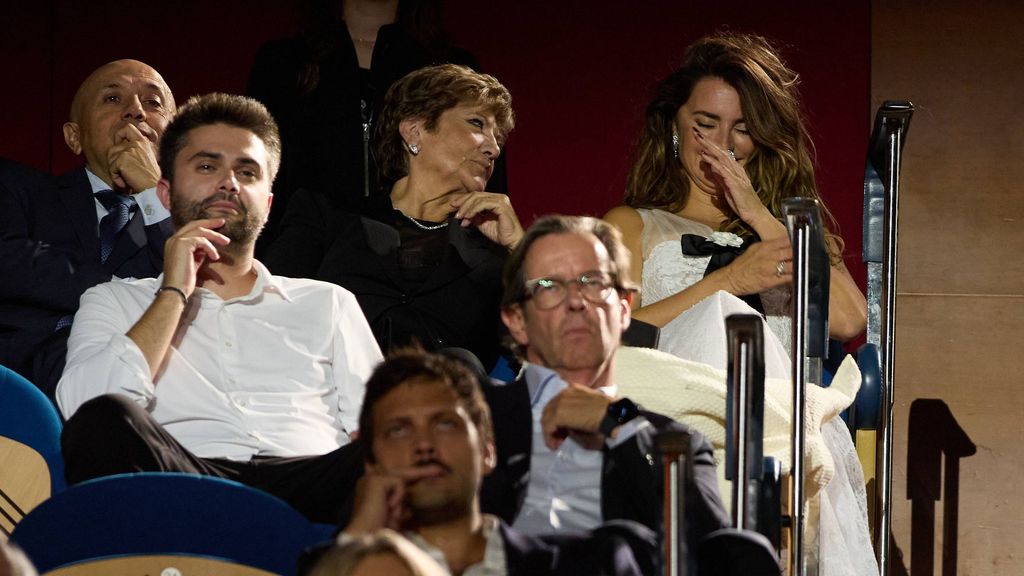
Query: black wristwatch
[[619, 412]]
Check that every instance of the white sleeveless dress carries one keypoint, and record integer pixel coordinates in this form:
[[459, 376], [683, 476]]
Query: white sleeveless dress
[[698, 334]]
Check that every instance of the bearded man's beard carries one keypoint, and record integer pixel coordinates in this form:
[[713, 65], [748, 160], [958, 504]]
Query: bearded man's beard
[[241, 231]]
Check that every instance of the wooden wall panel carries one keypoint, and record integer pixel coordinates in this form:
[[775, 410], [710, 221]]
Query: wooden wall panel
[[959, 428]]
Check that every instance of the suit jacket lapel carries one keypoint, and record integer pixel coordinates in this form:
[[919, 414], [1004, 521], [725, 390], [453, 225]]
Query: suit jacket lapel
[[505, 488], [467, 249], [383, 240], [76, 195]]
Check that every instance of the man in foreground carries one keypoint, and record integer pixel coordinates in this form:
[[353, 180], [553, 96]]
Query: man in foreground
[[427, 434]]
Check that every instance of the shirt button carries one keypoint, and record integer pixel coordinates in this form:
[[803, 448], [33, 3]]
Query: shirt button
[[228, 344]]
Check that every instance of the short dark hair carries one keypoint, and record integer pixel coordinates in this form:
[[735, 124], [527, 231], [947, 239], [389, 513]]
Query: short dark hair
[[405, 365], [217, 108], [514, 275], [426, 94]]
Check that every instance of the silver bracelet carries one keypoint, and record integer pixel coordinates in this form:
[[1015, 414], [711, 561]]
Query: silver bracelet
[[178, 291]]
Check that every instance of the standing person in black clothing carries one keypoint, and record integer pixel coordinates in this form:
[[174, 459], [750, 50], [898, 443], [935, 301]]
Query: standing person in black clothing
[[325, 88]]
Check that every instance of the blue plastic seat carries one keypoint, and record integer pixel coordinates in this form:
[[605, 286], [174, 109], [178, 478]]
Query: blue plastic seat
[[31, 467], [166, 514]]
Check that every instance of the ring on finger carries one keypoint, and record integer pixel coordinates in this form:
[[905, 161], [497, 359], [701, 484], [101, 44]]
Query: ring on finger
[[780, 268], [732, 153]]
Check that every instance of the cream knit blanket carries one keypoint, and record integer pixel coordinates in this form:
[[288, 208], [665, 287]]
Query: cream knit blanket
[[694, 394]]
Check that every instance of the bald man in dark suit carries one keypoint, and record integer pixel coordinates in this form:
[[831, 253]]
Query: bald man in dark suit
[[60, 236]]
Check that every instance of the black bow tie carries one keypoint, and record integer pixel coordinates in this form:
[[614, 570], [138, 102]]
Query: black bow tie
[[721, 256]]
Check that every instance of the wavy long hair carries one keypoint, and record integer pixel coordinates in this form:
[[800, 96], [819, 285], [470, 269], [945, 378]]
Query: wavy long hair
[[782, 164]]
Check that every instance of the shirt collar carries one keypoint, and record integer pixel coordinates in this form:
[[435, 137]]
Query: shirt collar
[[544, 383], [494, 552], [266, 283], [95, 182]]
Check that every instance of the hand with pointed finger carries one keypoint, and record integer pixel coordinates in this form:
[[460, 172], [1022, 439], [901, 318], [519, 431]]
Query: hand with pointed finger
[[575, 411], [188, 249], [759, 268], [380, 498], [133, 159], [492, 214]]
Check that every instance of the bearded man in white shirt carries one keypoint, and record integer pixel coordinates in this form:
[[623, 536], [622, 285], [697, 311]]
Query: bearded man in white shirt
[[217, 367]]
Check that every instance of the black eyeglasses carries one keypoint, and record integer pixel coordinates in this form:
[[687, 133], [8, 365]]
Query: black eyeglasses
[[595, 285]]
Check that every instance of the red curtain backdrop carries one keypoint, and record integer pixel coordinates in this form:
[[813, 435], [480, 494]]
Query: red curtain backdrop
[[580, 74]]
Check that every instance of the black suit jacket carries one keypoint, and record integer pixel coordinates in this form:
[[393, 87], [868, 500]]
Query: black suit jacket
[[456, 306], [49, 256], [613, 549], [631, 480]]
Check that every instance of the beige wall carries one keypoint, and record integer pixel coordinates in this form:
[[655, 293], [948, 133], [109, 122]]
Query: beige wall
[[960, 310]]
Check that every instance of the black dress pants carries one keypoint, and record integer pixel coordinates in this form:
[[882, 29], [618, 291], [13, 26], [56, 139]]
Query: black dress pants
[[111, 434]]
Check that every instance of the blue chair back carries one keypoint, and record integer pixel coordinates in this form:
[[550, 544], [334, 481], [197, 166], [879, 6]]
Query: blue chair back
[[27, 416], [166, 514], [31, 467]]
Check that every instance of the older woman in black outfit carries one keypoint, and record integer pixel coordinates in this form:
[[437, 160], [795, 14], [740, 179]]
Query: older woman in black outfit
[[426, 266]]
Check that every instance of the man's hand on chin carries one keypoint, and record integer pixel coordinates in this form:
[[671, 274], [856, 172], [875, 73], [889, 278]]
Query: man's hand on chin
[[132, 160]]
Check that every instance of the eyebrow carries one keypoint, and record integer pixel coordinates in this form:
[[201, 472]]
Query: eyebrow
[[716, 116], [245, 160], [152, 86], [205, 154]]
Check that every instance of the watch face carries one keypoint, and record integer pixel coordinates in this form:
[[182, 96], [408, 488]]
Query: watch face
[[623, 410]]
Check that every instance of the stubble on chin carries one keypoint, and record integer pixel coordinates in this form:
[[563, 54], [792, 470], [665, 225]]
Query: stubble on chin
[[240, 231], [429, 507]]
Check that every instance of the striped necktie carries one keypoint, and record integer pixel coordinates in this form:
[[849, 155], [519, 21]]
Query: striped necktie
[[119, 212]]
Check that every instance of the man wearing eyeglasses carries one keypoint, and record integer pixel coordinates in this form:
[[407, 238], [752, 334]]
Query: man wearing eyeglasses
[[572, 455]]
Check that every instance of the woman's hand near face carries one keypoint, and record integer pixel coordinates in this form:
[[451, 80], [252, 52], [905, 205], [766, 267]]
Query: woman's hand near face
[[492, 214], [731, 178]]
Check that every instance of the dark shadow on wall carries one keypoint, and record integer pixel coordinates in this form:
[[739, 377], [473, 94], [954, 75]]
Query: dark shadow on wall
[[936, 443]]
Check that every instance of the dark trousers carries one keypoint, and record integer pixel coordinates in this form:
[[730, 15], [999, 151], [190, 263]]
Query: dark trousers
[[113, 435]]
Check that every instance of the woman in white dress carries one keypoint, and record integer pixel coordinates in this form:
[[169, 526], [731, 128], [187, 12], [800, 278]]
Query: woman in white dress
[[723, 144]]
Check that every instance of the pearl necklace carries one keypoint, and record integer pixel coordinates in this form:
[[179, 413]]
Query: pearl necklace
[[417, 223]]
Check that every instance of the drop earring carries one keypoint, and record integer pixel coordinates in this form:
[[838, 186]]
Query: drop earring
[[675, 145]]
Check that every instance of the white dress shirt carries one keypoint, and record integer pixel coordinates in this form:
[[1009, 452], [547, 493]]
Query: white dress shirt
[[280, 371], [564, 490]]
